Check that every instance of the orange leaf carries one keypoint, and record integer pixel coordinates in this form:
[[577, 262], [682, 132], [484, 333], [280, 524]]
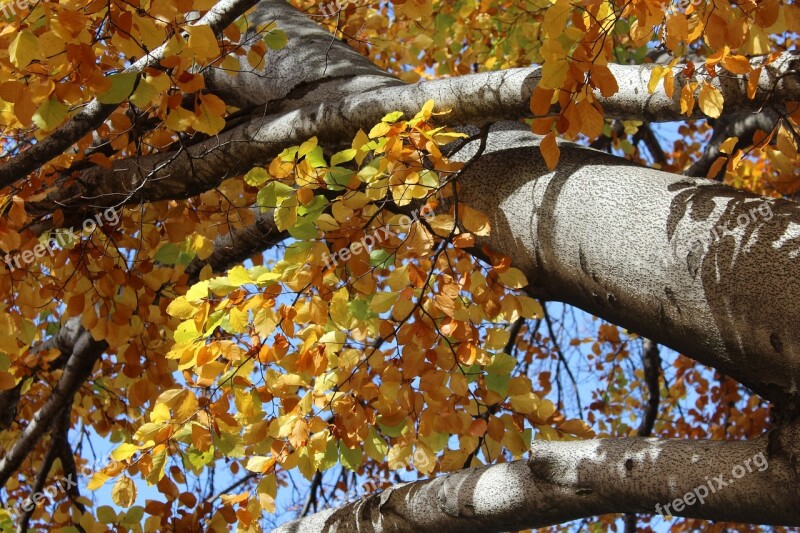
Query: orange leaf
[[550, 151], [540, 101]]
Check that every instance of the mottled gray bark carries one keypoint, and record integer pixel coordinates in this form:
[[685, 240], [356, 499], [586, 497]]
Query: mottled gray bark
[[657, 253], [477, 99], [737, 481]]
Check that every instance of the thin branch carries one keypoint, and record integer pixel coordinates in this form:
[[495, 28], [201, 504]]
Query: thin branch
[[312, 494], [562, 359]]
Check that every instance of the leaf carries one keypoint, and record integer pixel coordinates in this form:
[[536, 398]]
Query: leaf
[[97, 481], [50, 114], [124, 451], [260, 465], [351, 458], [124, 492], [24, 49], [392, 117], [343, 156], [202, 42], [473, 220], [513, 278], [550, 150], [276, 39], [736, 64], [710, 100], [728, 145], [7, 381], [209, 115], [121, 88], [181, 308], [256, 176]]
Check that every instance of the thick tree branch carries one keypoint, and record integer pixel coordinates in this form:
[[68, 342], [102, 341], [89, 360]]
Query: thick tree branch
[[741, 125], [475, 99], [565, 481], [676, 260]]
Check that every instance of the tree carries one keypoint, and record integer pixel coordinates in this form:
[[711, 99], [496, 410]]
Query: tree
[[240, 235]]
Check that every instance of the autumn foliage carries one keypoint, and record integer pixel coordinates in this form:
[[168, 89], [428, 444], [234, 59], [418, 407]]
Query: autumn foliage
[[419, 352]]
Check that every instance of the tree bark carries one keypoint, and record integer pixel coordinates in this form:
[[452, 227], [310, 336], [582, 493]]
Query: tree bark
[[654, 252], [739, 481]]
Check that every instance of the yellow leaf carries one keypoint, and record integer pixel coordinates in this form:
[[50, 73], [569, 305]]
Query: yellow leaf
[[124, 451], [306, 147], [260, 464], [710, 100], [203, 42], [550, 150], [687, 98], [179, 119], [124, 492], [209, 114], [656, 74], [97, 481], [181, 308], [425, 112], [513, 278], [727, 146], [25, 48], [474, 221]]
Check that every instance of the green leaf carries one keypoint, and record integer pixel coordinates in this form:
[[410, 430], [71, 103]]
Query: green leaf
[[276, 39], [122, 85], [168, 254], [393, 431], [360, 309], [380, 258], [133, 516], [375, 446], [303, 230], [343, 157], [256, 176], [498, 384], [351, 459], [338, 178], [273, 194], [328, 459], [316, 158], [50, 114], [106, 514], [314, 208], [198, 459], [502, 364]]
